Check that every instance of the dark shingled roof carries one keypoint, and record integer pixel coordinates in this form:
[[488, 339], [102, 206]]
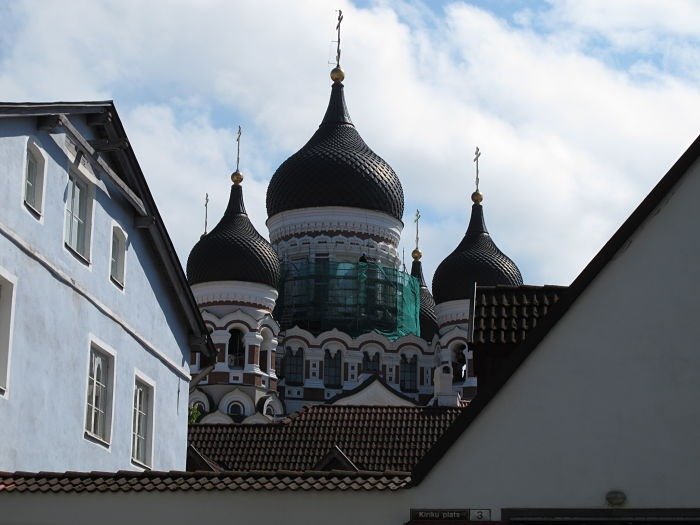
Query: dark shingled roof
[[427, 317], [335, 168], [234, 250], [127, 481], [505, 314], [372, 438], [477, 260]]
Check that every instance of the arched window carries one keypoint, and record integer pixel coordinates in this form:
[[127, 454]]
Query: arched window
[[332, 376], [265, 349], [370, 365], [269, 411], [236, 411], [236, 349], [294, 367], [409, 374]]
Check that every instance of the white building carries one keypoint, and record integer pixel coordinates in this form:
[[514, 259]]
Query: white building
[[96, 319]]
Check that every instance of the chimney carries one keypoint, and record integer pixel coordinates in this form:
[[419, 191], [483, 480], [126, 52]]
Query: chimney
[[444, 396]]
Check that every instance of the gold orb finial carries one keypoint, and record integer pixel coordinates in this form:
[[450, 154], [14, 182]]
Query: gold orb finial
[[416, 254], [477, 197], [337, 74], [237, 177]]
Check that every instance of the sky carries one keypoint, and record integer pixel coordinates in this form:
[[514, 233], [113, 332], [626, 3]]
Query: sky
[[579, 107]]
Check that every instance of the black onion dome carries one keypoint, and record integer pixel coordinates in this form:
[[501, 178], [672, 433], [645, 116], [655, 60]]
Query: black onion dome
[[476, 260], [427, 317], [233, 250], [335, 168]]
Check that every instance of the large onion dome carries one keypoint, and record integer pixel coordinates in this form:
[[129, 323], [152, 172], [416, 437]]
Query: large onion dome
[[427, 317], [335, 168], [234, 250], [476, 260]]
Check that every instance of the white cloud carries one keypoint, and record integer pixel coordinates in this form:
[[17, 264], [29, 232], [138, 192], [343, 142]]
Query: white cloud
[[571, 141]]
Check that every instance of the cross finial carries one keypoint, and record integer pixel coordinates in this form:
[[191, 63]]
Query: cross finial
[[477, 154], [206, 211], [337, 28], [416, 253], [238, 147], [416, 221]]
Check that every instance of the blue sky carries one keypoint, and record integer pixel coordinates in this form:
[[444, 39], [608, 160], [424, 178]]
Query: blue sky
[[579, 107]]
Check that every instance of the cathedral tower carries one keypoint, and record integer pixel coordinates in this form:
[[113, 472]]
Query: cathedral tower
[[234, 273]]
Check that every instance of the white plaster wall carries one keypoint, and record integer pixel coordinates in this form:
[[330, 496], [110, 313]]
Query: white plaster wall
[[43, 410], [609, 400]]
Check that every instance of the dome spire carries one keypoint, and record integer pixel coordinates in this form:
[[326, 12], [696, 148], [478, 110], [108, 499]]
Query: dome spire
[[337, 74], [476, 259], [337, 112], [426, 314], [206, 213], [417, 254], [477, 197], [237, 176], [234, 250], [335, 167]]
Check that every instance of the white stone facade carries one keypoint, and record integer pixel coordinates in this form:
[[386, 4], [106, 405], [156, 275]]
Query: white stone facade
[[239, 317]]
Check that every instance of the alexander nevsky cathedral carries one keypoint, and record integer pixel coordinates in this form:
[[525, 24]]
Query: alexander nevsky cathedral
[[324, 312]]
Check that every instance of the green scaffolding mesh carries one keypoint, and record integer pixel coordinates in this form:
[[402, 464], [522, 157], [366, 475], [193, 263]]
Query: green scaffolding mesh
[[355, 298]]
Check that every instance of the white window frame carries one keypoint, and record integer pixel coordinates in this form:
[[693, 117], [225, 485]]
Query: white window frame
[[34, 206], [71, 224], [101, 350], [117, 261], [143, 427], [8, 283]]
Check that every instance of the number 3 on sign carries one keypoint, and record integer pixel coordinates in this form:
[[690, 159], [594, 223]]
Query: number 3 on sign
[[480, 515]]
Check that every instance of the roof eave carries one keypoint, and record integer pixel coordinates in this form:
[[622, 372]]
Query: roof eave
[[148, 216]]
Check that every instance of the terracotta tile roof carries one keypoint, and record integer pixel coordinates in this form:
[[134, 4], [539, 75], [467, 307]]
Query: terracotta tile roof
[[373, 438], [505, 314], [126, 481]]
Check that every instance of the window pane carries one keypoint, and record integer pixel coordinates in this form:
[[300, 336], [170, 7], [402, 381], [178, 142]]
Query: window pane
[[331, 369], [115, 254], [30, 189], [236, 349], [140, 432], [76, 215], [294, 367], [98, 396]]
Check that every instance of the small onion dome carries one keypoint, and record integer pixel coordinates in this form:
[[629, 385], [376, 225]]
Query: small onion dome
[[427, 317], [233, 250], [335, 168], [476, 260]]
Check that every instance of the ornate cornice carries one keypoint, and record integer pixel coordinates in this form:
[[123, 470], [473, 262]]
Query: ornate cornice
[[235, 293], [335, 220]]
